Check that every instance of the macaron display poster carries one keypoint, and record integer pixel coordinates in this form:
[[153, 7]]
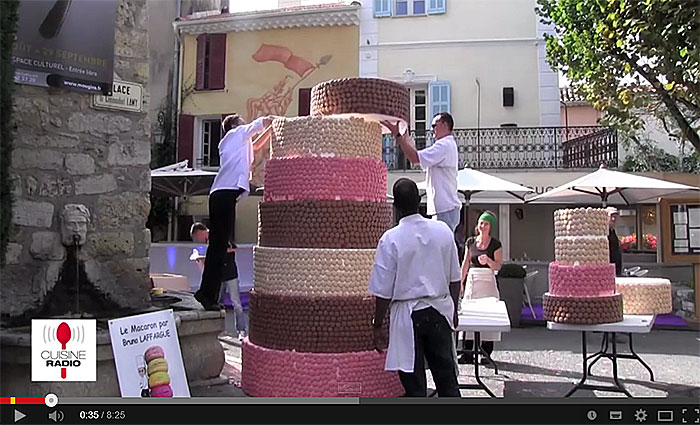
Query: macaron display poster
[[147, 356]]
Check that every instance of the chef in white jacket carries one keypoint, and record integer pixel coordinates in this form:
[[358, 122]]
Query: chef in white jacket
[[416, 275]]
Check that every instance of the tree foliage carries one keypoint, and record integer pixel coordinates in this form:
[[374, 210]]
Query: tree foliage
[[631, 59], [8, 27]]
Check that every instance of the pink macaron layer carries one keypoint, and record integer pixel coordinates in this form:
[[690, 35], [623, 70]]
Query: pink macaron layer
[[586, 280], [335, 179], [275, 373]]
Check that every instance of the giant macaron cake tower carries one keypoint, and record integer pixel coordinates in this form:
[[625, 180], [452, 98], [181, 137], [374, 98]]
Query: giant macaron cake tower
[[323, 212], [582, 279]]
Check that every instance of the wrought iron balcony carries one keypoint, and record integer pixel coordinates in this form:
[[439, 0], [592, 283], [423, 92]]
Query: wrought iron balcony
[[520, 147]]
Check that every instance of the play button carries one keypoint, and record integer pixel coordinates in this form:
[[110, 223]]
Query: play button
[[19, 416]]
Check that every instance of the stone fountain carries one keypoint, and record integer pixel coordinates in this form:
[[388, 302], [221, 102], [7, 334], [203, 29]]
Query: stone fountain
[[79, 247]]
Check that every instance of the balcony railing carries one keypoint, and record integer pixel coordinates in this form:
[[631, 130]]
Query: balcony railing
[[520, 147]]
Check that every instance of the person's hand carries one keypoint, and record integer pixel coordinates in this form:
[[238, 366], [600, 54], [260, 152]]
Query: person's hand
[[380, 339], [393, 128], [483, 259]]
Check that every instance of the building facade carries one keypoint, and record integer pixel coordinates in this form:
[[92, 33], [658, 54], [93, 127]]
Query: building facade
[[254, 64]]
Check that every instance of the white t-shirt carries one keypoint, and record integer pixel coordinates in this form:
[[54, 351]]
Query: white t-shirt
[[236, 157], [440, 164], [413, 267]]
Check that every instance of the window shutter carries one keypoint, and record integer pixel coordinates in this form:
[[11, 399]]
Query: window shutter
[[304, 102], [439, 97], [382, 8], [185, 139], [217, 61], [436, 6], [201, 51]]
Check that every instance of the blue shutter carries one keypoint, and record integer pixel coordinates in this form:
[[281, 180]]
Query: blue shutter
[[436, 6], [439, 97], [382, 8]]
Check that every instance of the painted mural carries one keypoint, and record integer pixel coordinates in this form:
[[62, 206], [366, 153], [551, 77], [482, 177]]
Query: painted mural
[[276, 100]]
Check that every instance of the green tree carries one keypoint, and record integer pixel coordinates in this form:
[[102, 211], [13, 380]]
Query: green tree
[[8, 27], [631, 59]]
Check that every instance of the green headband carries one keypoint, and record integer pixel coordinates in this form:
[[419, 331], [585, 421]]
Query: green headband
[[488, 217]]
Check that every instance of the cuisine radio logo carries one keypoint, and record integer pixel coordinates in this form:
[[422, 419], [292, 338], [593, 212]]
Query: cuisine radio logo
[[64, 350]]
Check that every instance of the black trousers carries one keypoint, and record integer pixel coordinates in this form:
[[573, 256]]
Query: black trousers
[[222, 218], [433, 341]]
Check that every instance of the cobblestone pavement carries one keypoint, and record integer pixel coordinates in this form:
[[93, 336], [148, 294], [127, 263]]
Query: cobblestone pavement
[[535, 362]]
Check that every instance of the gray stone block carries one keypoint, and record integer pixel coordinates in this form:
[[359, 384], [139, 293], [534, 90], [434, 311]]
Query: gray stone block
[[47, 246], [41, 159], [14, 253], [123, 210], [32, 214], [80, 164], [53, 187], [108, 244], [96, 184], [129, 153]]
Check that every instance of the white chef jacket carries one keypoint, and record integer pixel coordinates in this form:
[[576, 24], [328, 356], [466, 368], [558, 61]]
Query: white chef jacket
[[413, 267], [440, 162], [236, 157]]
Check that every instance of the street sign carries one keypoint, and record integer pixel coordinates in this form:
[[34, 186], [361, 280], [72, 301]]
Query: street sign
[[125, 97]]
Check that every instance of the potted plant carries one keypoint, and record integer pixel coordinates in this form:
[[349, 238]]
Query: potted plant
[[510, 285]]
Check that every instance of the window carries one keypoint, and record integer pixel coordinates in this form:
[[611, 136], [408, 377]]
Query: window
[[401, 8], [419, 123], [436, 6], [211, 135], [638, 229], [211, 61], [382, 8], [439, 97], [410, 7]]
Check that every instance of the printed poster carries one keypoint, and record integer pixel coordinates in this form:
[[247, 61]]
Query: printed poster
[[147, 356]]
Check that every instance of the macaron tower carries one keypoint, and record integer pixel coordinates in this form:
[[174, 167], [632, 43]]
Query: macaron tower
[[158, 378], [320, 220]]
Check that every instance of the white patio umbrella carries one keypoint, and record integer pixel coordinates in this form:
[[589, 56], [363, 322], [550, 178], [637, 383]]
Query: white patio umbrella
[[180, 181], [611, 187], [471, 181]]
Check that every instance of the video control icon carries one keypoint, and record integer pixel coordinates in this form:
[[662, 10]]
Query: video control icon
[[56, 416], [640, 415]]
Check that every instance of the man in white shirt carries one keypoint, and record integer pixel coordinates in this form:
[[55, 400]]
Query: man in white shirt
[[416, 275], [230, 184], [440, 162]]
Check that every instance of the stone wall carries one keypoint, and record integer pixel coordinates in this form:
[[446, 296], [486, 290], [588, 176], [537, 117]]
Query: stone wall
[[68, 152]]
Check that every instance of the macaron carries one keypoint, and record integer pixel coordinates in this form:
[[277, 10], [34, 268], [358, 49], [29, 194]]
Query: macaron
[[158, 378], [157, 365], [162, 391], [154, 352]]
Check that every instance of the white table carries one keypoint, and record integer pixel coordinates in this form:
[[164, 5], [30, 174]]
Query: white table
[[482, 315], [629, 325]]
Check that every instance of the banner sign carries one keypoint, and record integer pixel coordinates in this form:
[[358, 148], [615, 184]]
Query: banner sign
[[66, 44], [147, 356]]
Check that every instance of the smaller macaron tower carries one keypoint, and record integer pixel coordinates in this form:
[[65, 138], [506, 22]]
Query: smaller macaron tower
[[158, 378]]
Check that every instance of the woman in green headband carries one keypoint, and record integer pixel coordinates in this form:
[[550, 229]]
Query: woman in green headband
[[482, 259]]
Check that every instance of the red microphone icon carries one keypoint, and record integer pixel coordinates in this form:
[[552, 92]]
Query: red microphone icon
[[63, 335]]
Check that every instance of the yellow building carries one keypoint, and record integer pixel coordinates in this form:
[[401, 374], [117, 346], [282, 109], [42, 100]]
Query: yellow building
[[483, 60], [254, 64]]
